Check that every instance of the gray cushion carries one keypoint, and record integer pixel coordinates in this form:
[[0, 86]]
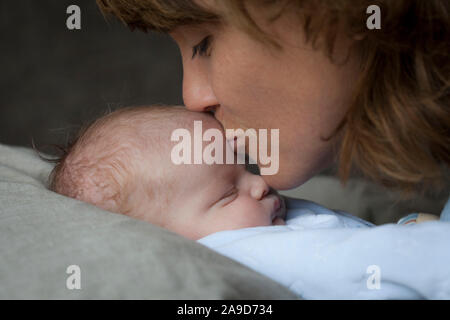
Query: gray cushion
[[42, 233]]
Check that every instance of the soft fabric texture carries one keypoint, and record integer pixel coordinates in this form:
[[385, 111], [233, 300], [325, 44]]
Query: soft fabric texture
[[445, 215], [367, 200], [42, 233], [325, 254]]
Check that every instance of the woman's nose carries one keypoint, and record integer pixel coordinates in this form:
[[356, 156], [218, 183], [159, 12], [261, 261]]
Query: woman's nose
[[197, 91]]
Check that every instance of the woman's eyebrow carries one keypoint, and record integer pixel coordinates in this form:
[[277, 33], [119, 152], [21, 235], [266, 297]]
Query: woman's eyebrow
[[201, 26]]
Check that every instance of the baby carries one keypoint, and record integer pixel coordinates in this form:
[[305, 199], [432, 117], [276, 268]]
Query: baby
[[122, 163]]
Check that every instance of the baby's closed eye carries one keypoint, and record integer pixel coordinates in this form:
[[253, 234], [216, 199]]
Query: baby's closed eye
[[228, 197]]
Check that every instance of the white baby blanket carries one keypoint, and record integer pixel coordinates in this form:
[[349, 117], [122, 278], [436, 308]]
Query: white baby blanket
[[325, 254]]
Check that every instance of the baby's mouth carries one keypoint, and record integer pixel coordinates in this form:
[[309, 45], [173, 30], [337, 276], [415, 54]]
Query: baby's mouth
[[279, 209]]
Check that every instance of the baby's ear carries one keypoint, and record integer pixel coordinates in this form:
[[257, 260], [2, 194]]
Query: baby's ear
[[97, 186]]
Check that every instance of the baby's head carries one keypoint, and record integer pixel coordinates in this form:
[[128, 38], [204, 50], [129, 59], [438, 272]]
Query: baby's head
[[122, 163]]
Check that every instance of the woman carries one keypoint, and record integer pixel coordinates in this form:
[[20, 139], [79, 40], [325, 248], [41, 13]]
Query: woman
[[376, 101]]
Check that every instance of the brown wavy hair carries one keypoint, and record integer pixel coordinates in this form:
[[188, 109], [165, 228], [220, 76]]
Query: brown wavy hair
[[397, 129]]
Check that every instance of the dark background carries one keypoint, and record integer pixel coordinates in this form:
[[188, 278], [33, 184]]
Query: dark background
[[53, 80]]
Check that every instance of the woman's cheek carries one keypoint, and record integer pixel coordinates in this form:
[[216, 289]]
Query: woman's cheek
[[234, 90]]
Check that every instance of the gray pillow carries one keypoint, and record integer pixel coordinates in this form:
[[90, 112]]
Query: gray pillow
[[43, 233]]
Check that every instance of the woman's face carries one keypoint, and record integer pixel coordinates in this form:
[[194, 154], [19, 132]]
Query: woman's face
[[248, 84]]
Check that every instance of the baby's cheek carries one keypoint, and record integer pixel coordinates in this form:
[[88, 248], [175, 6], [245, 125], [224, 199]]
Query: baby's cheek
[[252, 213]]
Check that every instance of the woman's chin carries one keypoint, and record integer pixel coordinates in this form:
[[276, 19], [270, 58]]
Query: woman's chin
[[284, 181]]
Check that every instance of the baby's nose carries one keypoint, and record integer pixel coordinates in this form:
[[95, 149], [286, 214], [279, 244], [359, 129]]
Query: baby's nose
[[259, 189]]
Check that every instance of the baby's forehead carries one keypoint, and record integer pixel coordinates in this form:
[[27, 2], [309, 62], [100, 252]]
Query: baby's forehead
[[147, 130], [171, 118], [188, 119], [137, 122]]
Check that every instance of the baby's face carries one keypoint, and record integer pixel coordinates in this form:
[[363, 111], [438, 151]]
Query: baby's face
[[204, 199], [214, 198], [124, 164]]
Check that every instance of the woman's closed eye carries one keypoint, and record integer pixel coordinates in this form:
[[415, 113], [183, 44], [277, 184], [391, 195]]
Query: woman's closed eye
[[202, 48]]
